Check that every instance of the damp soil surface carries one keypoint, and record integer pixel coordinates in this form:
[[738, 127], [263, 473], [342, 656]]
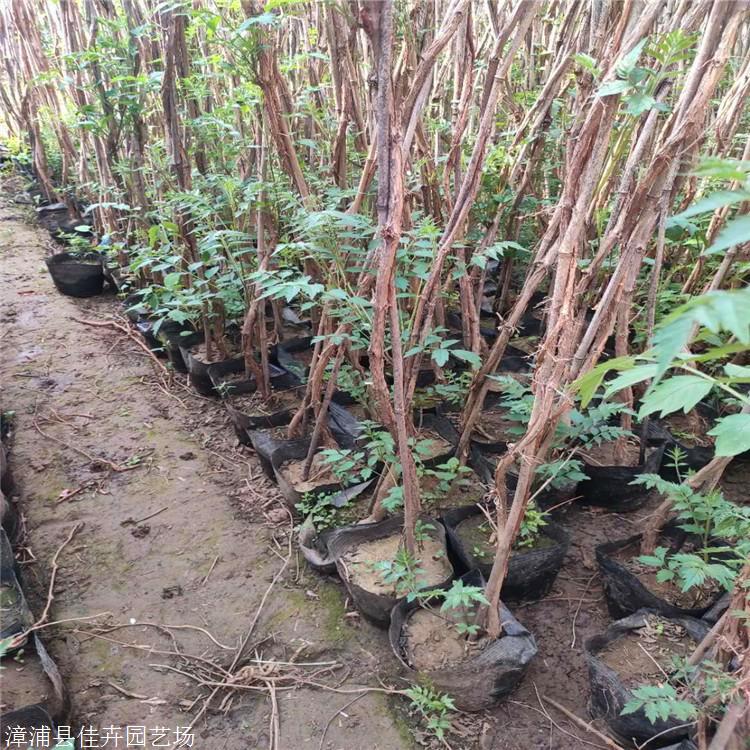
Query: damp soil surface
[[433, 641], [431, 445], [255, 405], [478, 538], [495, 427], [319, 475]]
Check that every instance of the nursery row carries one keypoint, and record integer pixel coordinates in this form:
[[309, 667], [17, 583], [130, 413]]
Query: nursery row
[[429, 601]]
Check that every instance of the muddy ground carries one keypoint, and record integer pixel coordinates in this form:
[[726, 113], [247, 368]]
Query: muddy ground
[[183, 552]]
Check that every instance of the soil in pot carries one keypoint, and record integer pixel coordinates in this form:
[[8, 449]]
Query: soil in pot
[[644, 655], [197, 362], [321, 474], [629, 585], [432, 640], [495, 430], [535, 561], [477, 535], [696, 598], [466, 489], [256, 407], [173, 337], [432, 445], [634, 651], [475, 674], [611, 486], [361, 562]]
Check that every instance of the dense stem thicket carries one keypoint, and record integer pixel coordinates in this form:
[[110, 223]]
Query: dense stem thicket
[[404, 177]]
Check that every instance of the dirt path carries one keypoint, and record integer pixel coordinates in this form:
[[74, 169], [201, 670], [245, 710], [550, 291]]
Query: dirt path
[[199, 557]]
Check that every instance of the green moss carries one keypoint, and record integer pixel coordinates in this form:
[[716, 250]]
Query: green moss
[[394, 709], [334, 622], [293, 604]]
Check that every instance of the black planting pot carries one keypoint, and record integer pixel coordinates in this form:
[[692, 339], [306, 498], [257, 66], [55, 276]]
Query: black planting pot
[[77, 275], [693, 459], [376, 608], [482, 680], [609, 695], [197, 369], [282, 354], [314, 545], [265, 445], [10, 520], [314, 548], [17, 617], [531, 572], [26, 722], [445, 429], [52, 216], [146, 328], [549, 498], [285, 450], [134, 307], [455, 319], [514, 360], [138, 314], [624, 591], [491, 404], [611, 487], [221, 376], [345, 427], [172, 336]]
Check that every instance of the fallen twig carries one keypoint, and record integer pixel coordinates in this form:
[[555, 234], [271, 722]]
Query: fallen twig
[[210, 570], [53, 575], [333, 716], [93, 459], [131, 335], [583, 724]]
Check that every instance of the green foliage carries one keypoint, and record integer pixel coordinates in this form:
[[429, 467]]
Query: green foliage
[[533, 522], [709, 517], [403, 573], [660, 702], [433, 706], [319, 509]]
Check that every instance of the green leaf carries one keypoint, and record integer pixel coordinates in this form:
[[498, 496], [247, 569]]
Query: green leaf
[[587, 63], [719, 199], [626, 65], [630, 377], [736, 232], [609, 88], [587, 384], [732, 434], [638, 103], [440, 356], [473, 359], [680, 392], [631, 706], [737, 371]]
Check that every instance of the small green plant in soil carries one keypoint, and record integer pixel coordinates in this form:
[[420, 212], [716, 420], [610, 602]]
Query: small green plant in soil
[[686, 692], [433, 706], [320, 510], [529, 535], [77, 244], [707, 517]]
